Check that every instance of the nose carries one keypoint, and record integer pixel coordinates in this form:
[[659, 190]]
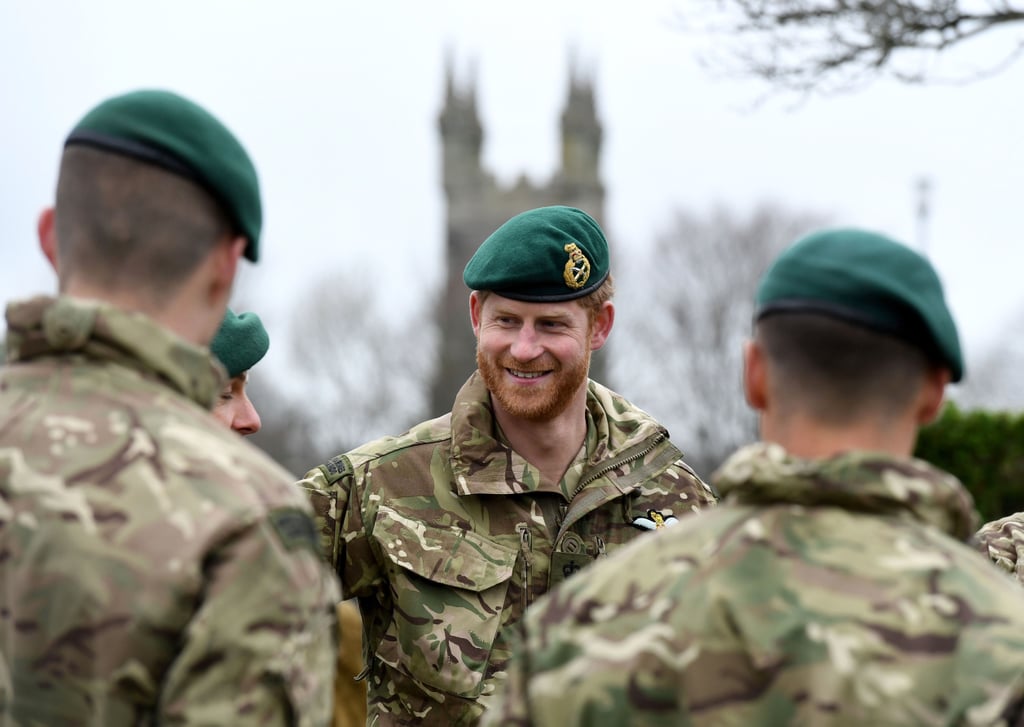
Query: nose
[[247, 419], [526, 346]]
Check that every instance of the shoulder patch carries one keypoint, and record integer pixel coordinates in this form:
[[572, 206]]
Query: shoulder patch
[[295, 528], [336, 467]]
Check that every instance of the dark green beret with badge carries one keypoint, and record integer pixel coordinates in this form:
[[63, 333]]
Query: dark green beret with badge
[[545, 254], [164, 129], [866, 279], [240, 343]]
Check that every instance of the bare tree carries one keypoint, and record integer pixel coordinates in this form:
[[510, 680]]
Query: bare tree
[[838, 44], [287, 430], [684, 310], [360, 373]]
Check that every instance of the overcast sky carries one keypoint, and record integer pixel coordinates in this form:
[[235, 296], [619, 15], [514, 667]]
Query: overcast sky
[[337, 103]]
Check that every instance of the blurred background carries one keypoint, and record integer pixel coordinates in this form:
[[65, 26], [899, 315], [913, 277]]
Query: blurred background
[[391, 137]]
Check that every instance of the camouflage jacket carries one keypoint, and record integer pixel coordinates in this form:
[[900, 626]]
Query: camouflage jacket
[[155, 568], [1003, 541], [444, 537], [818, 593]]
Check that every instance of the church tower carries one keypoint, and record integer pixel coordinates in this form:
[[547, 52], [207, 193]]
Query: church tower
[[581, 148], [477, 205]]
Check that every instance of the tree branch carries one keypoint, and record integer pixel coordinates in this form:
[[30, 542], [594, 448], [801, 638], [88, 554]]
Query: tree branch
[[805, 44]]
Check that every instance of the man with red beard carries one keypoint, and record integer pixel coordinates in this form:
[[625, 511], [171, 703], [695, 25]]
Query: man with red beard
[[448, 532]]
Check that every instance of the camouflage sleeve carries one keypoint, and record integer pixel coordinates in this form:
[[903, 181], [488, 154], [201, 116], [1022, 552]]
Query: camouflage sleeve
[[329, 498], [703, 494], [1002, 541], [261, 647], [336, 494]]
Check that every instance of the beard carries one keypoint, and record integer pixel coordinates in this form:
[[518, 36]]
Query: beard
[[533, 403]]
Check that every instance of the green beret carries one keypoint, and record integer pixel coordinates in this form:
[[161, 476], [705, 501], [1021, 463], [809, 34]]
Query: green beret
[[545, 254], [162, 128], [867, 279], [240, 343]]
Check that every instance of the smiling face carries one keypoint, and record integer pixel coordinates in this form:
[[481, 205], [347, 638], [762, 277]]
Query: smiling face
[[534, 357]]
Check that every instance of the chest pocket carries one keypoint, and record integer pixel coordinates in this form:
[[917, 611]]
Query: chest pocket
[[449, 588]]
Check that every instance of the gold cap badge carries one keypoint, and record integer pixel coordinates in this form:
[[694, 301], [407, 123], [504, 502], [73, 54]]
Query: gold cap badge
[[577, 268]]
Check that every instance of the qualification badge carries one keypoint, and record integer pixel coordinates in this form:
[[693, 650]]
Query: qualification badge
[[654, 521]]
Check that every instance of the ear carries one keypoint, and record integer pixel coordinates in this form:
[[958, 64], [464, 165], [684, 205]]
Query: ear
[[475, 311], [602, 326], [46, 227], [929, 402], [225, 266], [755, 376]]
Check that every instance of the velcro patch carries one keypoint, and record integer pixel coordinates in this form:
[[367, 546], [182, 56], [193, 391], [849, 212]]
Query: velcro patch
[[336, 468], [295, 528]]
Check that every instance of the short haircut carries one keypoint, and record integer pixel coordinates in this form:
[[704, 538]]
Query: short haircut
[[839, 372], [131, 226], [592, 302]]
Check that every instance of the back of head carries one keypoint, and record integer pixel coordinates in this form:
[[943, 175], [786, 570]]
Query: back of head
[[149, 183], [851, 322]]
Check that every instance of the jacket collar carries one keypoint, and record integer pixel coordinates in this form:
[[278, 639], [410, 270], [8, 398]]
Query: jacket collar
[[47, 326], [871, 482], [483, 464]]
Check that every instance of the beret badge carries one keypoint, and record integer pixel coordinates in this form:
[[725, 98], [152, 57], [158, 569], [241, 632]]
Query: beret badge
[[547, 254], [577, 268]]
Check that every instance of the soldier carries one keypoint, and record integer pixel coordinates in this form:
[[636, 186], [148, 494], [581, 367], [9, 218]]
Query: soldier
[[832, 586], [240, 343], [449, 531], [156, 569]]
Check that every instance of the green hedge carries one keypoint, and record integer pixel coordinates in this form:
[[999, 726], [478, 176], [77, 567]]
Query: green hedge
[[985, 450]]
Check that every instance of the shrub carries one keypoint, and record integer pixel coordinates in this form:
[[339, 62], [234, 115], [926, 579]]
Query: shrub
[[985, 450]]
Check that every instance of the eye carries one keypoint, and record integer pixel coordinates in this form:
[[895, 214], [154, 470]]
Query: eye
[[226, 395]]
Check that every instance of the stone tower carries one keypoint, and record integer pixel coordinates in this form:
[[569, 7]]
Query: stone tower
[[477, 205]]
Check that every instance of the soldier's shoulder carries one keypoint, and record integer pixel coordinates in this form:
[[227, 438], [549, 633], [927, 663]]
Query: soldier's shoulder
[[198, 450], [1002, 541], [617, 407], [419, 441], [1009, 526]]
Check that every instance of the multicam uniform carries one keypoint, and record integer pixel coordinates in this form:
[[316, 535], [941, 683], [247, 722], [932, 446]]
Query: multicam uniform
[[1003, 541], [155, 569], [818, 593], [446, 535]]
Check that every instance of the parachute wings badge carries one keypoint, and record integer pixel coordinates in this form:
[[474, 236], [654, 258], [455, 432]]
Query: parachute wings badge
[[654, 521]]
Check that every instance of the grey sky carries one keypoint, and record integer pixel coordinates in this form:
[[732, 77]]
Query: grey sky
[[337, 102]]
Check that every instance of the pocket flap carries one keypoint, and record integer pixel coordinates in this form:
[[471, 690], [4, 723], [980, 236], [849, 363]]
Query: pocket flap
[[450, 556]]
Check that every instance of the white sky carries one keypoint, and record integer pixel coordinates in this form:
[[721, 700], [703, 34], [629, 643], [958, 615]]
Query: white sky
[[337, 103]]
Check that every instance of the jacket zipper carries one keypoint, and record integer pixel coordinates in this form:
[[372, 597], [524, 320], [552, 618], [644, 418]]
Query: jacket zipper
[[526, 548], [655, 441], [658, 439]]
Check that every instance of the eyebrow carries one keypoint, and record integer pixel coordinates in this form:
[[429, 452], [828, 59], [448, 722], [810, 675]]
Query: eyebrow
[[559, 315]]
